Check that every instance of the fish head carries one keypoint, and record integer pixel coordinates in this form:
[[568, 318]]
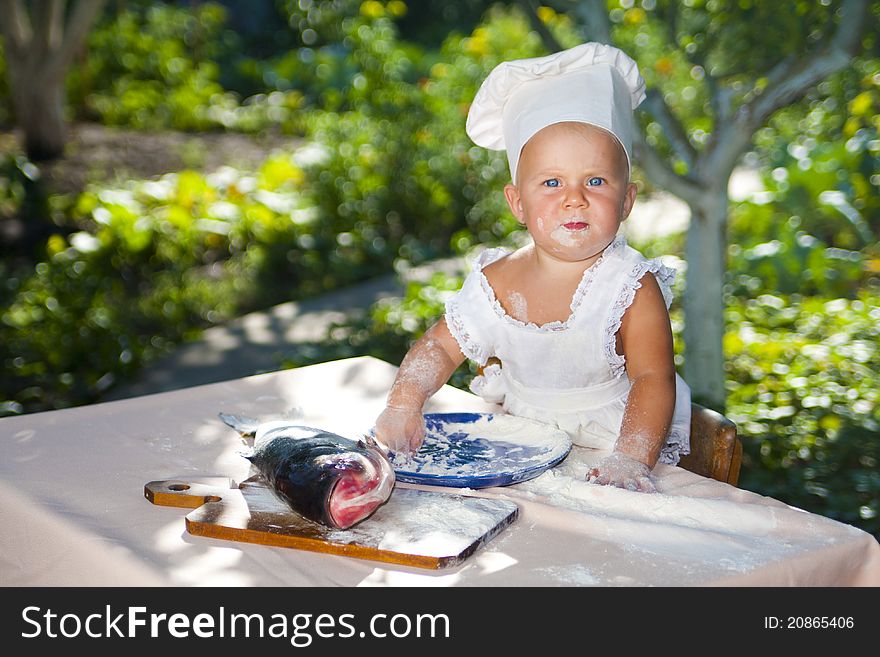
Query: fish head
[[364, 480]]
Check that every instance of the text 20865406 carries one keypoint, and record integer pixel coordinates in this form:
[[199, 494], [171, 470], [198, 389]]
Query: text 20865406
[[808, 622]]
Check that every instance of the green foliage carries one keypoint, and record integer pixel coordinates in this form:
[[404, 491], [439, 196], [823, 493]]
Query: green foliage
[[814, 230], [822, 156], [803, 390], [735, 40], [792, 260], [707, 59], [151, 69], [153, 262], [157, 68], [14, 170], [340, 51], [429, 22], [366, 178]]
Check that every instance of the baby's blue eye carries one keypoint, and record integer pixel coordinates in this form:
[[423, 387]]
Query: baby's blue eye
[[595, 181], [553, 182]]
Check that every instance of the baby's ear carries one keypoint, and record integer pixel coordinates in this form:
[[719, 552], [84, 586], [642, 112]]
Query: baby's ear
[[511, 193], [629, 199]]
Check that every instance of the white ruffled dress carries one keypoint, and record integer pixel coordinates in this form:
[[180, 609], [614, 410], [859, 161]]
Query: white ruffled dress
[[569, 373]]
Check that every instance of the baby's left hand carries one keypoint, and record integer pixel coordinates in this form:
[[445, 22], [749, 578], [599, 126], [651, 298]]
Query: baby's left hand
[[622, 471]]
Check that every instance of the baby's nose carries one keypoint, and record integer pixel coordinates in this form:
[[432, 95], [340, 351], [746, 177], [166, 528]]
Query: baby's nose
[[576, 197]]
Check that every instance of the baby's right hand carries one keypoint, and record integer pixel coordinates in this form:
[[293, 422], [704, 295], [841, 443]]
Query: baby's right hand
[[400, 429], [623, 471]]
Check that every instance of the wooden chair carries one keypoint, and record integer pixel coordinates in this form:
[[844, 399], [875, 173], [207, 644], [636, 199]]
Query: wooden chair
[[716, 451]]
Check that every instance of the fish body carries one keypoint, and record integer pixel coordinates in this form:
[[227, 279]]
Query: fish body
[[323, 476]]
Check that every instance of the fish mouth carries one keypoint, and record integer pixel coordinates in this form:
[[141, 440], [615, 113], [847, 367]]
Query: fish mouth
[[360, 491]]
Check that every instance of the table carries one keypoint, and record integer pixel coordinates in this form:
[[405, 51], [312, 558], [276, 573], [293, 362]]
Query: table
[[73, 512]]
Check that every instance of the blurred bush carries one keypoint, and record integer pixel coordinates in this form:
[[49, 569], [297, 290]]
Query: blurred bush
[[14, 170], [158, 67], [822, 157], [803, 389], [815, 229], [792, 261], [152, 262]]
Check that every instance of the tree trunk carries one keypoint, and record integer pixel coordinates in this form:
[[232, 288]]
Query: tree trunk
[[38, 102], [40, 40], [706, 254]]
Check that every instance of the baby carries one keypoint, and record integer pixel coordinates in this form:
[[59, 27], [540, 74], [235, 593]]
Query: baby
[[573, 329]]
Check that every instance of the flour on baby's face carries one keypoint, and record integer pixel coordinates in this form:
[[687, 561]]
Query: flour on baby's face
[[560, 234], [564, 236]]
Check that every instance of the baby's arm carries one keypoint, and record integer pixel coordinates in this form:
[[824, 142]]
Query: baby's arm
[[426, 367], [646, 342]]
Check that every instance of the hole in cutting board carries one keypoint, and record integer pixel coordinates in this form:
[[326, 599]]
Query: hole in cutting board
[[179, 488]]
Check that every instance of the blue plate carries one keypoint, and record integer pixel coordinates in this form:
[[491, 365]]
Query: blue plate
[[477, 450]]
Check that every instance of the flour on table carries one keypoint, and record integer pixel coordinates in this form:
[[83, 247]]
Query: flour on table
[[701, 537], [574, 575], [436, 525]]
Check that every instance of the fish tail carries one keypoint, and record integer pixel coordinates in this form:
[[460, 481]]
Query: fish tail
[[246, 426]]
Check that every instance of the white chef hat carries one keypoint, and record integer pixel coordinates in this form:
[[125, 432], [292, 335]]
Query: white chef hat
[[591, 83]]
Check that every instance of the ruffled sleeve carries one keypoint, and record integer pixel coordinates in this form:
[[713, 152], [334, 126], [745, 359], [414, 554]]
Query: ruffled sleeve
[[469, 313], [633, 281]]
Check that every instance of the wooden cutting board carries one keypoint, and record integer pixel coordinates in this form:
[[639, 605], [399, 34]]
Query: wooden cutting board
[[420, 528]]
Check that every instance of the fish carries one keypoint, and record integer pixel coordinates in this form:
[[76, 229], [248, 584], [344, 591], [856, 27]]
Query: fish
[[327, 478]]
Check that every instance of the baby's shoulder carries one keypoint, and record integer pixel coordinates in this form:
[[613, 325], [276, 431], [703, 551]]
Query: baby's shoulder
[[499, 260], [505, 266]]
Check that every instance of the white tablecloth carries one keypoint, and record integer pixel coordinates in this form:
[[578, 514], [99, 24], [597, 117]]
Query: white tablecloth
[[73, 512]]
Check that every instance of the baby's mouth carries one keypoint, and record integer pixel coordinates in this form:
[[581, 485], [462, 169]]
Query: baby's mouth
[[575, 224]]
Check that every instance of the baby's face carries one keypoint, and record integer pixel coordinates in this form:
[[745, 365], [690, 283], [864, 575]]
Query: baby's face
[[572, 190]]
